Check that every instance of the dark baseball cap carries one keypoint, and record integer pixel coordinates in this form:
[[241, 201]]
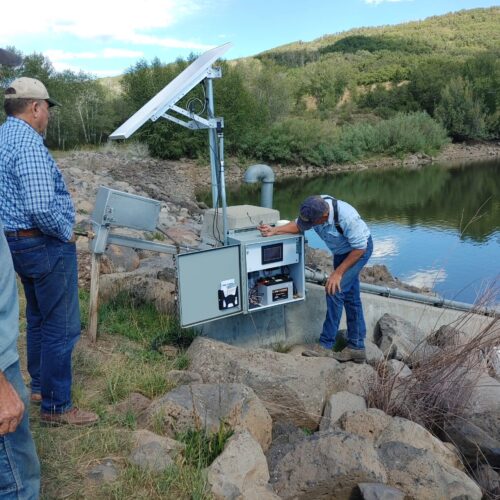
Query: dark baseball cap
[[312, 209]]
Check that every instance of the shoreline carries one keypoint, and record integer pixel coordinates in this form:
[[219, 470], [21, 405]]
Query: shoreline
[[450, 155]]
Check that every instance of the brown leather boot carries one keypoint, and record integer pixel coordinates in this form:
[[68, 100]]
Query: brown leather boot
[[74, 416], [317, 351], [348, 354]]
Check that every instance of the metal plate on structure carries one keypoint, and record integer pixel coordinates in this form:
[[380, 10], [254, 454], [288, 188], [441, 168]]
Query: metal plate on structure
[[209, 285], [117, 208], [174, 91]]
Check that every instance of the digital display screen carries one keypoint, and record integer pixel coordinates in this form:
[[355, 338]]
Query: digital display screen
[[272, 253]]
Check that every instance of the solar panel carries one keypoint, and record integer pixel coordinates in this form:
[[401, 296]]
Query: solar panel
[[172, 93]]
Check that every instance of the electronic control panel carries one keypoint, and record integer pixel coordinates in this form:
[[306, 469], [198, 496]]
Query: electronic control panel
[[250, 274], [272, 268]]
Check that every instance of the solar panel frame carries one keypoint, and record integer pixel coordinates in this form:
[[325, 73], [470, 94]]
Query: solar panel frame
[[171, 93]]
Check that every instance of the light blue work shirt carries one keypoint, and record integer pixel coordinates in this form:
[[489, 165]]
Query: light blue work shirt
[[356, 232], [9, 307]]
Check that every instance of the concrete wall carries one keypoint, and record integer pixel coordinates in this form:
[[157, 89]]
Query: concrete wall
[[302, 322]]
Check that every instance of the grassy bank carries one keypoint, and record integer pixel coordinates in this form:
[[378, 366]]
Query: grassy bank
[[125, 360]]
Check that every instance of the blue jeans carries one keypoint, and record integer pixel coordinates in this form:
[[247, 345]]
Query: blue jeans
[[19, 466], [49, 274], [350, 299]]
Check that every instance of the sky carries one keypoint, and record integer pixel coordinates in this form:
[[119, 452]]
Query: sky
[[105, 37]]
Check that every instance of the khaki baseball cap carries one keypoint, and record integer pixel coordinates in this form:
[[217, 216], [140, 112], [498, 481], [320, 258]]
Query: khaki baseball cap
[[29, 88]]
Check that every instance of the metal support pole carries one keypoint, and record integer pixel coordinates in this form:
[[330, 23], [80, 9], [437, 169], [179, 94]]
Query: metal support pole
[[220, 135], [212, 141]]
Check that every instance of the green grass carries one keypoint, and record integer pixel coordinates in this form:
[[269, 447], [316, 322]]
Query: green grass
[[203, 448], [123, 361], [140, 322]]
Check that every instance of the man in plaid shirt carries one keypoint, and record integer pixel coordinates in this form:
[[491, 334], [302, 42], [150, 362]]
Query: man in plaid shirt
[[38, 217], [20, 469]]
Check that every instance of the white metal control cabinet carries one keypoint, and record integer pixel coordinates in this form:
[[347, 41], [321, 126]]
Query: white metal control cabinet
[[251, 274]]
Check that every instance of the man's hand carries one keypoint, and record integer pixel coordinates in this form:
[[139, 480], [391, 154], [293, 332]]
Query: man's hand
[[266, 230], [11, 407], [333, 283]]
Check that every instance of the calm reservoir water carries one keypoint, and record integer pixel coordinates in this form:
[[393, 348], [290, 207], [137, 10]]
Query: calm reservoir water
[[437, 227]]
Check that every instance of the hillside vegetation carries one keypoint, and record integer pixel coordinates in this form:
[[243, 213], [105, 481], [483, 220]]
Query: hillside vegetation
[[390, 90]]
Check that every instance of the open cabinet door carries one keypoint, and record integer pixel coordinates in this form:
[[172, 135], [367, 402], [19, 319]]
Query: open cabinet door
[[209, 284]]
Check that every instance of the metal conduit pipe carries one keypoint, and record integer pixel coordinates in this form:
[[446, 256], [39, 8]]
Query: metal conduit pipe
[[265, 174], [320, 277]]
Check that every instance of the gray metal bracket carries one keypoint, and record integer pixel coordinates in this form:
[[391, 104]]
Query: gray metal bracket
[[103, 237]]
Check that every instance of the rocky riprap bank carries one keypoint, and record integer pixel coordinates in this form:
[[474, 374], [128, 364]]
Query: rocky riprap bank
[[303, 428]]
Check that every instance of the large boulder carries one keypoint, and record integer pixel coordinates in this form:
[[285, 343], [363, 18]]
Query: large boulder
[[337, 405], [207, 407], [447, 336], [410, 433], [142, 286], [373, 354], [183, 235], [134, 406], [326, 464], [494, 363], [485, 396], [183, 377], [379, 491], [368, 423], [396, 337], [474, 443], [397, 369], [354, 378], [489, 481], [118, 259], [417, 472], [488, 421], [152, 452], [293, 388], [285, 437], [240, 471], [380, 428]]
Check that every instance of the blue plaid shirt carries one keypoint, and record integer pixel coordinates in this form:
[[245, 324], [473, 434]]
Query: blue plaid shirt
[[33, 193]]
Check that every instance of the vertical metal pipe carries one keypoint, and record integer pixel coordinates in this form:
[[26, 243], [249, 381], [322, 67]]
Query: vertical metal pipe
[[212, 142], [266, 194], [265, 174], [223, 186]]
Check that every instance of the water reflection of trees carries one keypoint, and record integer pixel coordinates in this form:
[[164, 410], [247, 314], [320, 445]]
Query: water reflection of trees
[[431, 196]]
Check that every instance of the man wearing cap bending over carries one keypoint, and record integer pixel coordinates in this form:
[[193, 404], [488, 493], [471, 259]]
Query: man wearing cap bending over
[[347, 236], [38, 217], [20, 469]]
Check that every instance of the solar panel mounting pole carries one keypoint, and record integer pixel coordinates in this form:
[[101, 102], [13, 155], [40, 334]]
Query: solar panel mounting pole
[[163, 103]]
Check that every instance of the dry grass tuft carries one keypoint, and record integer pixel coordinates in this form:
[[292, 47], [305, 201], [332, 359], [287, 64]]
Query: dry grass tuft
[[441, 385]]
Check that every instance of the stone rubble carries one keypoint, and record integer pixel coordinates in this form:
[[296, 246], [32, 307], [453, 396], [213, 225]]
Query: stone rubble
[[330, 445]]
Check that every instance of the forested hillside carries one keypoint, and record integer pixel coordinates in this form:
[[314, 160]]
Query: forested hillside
[[369, 91]]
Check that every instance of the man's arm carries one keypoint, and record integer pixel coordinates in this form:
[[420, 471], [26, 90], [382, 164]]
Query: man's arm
[[11, 407], [290, 228], [333, 281]]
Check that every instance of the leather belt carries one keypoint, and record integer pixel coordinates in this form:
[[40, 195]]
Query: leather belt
[[24, 233]]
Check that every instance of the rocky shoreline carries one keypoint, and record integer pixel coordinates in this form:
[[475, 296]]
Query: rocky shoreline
[[452, 154], [301, 427]]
